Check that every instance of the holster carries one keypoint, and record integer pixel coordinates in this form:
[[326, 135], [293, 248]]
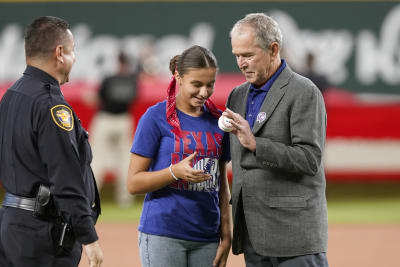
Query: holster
[[43, 203], [46, 208], [63, 236]]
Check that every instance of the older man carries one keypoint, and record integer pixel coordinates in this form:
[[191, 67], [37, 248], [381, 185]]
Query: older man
[[279, 119]]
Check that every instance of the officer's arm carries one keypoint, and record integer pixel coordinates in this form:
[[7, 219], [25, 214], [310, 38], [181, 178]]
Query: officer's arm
[[55, 144]]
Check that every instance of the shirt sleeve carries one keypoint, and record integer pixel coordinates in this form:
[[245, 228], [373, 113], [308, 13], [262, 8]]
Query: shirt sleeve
[[147, 137], [56, 141]]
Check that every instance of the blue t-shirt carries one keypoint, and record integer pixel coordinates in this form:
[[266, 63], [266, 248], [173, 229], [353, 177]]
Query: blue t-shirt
[[182, 210]]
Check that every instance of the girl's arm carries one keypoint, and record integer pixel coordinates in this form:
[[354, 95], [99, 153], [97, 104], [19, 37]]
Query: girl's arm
[[141, 181], [226, 219]]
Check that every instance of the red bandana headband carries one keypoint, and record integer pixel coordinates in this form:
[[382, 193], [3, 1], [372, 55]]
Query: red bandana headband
[[172, 115]]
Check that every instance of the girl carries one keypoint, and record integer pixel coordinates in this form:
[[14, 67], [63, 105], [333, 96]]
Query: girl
[[179, 159]]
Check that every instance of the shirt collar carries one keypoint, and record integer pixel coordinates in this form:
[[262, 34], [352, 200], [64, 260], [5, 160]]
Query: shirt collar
[[42, 75], [271, 80]]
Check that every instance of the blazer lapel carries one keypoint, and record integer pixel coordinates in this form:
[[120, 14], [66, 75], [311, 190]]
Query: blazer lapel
[[272, 99], [244, 96]]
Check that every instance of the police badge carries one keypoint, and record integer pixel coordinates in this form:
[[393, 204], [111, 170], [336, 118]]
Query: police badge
[[62, 116]]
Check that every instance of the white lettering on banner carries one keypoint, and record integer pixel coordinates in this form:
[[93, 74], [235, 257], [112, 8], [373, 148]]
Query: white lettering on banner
[[96, 55], [332, 48], [374, 57], [377, 55], [380, 57], [12, 56]]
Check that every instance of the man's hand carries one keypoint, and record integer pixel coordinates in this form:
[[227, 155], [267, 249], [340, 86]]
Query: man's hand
[[241, 129], [94, 254]]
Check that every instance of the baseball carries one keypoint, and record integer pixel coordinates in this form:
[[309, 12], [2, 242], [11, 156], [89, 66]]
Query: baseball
[[225, 124]]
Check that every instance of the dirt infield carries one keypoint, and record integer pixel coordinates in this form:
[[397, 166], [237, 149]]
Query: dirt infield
[[349, 246]]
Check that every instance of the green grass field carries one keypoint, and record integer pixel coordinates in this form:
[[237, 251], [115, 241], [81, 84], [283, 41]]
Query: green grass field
[[373, 203]]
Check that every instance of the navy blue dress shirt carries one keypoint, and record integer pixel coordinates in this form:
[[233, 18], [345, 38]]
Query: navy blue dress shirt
[[257, 95]]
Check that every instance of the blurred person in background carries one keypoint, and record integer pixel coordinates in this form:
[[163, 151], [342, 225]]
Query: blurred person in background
[[112, 127], [278, 191], [179, 160], [51, 202], [319, 80]]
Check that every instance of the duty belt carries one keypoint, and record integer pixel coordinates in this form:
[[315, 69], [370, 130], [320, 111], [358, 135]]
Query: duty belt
[[11, 200]]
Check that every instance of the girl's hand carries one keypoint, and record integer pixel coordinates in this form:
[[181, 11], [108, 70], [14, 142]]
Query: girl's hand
[[222, 254], [184, 170]]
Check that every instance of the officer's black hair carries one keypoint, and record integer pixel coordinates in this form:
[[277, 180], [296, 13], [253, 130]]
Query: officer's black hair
[[44, 34]]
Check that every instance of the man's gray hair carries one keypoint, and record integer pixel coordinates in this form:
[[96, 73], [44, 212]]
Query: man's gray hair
[[266, 29]]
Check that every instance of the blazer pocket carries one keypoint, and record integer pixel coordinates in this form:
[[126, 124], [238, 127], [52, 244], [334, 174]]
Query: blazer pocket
[[287, 202]]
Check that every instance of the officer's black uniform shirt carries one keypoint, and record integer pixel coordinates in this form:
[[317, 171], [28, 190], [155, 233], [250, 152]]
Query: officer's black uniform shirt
[[43, 142]]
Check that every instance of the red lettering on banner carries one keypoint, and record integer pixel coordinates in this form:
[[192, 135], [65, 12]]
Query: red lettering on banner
[[199, 145]]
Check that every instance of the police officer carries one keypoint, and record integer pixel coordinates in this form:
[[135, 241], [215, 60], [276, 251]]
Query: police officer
[[43, 146]]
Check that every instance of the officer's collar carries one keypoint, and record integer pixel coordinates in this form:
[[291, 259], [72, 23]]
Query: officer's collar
[[42, 75]]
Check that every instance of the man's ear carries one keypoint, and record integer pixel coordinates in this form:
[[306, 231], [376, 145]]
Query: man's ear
[[274, 49], [60, 53]]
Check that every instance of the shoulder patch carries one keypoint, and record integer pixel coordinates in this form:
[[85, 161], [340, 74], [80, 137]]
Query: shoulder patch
[[62, 116]]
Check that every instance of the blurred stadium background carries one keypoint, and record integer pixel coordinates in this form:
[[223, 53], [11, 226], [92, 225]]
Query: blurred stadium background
[[356, 47]]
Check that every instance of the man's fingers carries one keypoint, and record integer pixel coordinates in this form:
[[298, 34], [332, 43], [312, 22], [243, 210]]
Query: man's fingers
[[227, 110], [235, 124], [228, 113], [235, 117], [237, 127]]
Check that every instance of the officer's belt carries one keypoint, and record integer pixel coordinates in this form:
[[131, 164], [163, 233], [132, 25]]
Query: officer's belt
[[11, 200]]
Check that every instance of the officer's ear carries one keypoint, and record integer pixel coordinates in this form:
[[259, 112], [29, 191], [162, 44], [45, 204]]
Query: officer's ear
[[60, 53]]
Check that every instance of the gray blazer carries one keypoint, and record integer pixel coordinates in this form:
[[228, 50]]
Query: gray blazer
[[283, 182]]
